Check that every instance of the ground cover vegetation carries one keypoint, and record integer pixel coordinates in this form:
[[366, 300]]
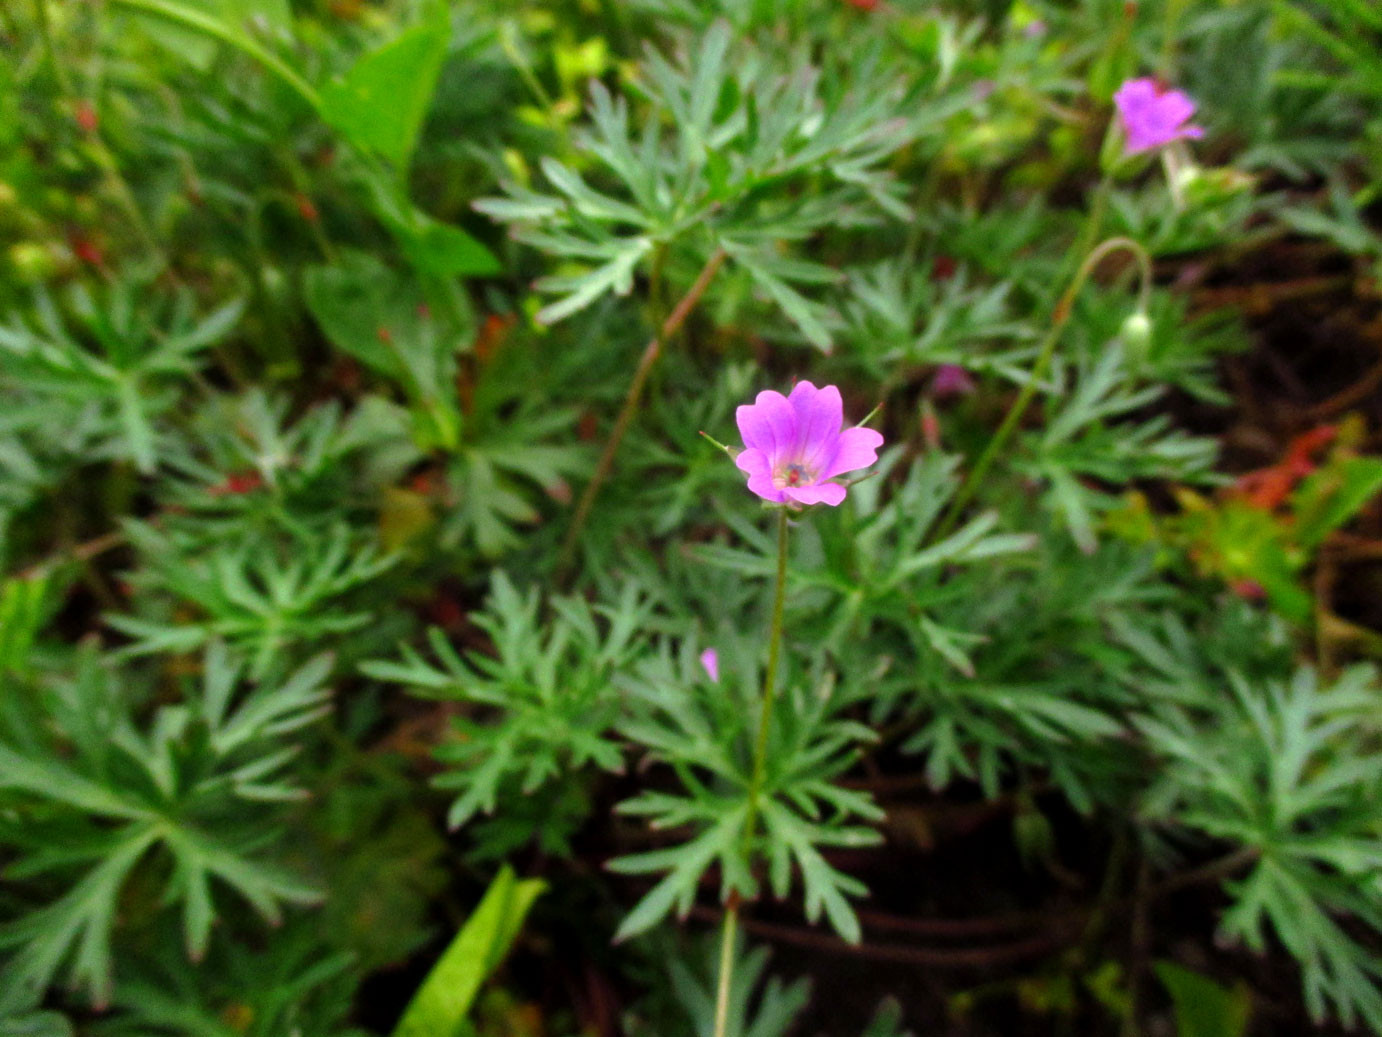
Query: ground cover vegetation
[[690, 518]]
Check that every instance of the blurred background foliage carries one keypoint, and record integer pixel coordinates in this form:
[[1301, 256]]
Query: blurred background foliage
[[359, 545]]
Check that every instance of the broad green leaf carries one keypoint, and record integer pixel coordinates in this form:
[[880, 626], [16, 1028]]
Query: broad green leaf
[[440, 1006], [1204, 1008], [444, 250], [380, 317], [261, 18], [380, 103], [1329, 498], [434, 248]]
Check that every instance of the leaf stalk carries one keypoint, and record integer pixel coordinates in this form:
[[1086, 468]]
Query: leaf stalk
[[651, 353]]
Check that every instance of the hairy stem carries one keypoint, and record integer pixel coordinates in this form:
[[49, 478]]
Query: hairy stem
[[651, 352], [760, 758], [1060, 316], [726, 967], [1166, 64], [760, 749], [1095, 220], [82, 552]]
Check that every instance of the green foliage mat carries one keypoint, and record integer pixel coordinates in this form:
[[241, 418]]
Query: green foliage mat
[[389, 645]]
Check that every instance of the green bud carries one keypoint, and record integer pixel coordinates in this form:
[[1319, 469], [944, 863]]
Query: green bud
[[1136, 334]]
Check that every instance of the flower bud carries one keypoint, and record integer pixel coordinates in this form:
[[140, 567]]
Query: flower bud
[[1136, 335]]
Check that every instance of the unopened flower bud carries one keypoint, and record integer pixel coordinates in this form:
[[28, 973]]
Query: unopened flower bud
[[1136, 334]]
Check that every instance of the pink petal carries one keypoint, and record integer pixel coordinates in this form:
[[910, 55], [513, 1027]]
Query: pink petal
[[1175, 107], [821, 493], [1135, 95], [1138, 142], [858, 448], [710, 659], [768, 424], [820, 413], [760, 472]]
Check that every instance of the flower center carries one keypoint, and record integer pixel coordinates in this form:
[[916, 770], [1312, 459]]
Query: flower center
[[795, 475]]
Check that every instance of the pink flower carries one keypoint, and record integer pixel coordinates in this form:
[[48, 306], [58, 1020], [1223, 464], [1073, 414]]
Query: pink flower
[[710, 659], [1153, 115], [794, 445]]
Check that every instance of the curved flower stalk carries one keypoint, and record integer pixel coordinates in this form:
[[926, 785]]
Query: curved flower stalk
[[795, 445], [1060, 316]]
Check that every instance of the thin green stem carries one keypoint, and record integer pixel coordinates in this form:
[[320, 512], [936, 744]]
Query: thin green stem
[[1166, 64], [519, 60], [1215, 871], [651, 352], [82, 552], [726, 968], [1060, 316], [756, 773], [760, 749]]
